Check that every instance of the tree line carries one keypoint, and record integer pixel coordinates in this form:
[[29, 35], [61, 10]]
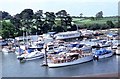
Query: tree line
[[27, 22]]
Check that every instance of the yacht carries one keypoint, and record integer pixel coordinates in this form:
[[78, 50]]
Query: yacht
[[71, 58], [67, 35], [31, 54]]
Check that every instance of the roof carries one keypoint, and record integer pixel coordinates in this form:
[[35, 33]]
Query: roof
[[68, 32]]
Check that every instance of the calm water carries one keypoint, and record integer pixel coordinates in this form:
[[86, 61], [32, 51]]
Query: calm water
[[11, 67]]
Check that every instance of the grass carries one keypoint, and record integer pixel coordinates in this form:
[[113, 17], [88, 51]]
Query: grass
[[89, 21]]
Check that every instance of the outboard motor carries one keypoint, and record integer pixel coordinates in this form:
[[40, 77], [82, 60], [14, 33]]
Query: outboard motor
[[22, 59], [95, 57]]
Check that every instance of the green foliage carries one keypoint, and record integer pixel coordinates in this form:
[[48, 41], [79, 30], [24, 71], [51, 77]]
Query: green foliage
[[28, 21], [110, 24], [58, 29], [8, 30]]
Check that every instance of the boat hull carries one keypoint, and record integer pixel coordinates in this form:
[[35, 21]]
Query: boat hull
[[105, 55], [35, 57], [78, 61], [117, 52]]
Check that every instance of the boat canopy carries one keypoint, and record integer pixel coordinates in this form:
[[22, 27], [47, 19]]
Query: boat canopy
[[112, 35], [102, 51], [76, 45]]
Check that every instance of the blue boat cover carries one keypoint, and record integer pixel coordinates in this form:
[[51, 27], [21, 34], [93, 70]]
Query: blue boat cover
[[76, 45], [20, 51], [30, 50], [102, 51]]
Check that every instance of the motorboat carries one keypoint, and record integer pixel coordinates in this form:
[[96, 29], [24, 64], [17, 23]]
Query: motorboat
[[102, 53], [118, 51], [67, 35], [116, 44], [104, 43], [92, 42], [31, 54], [5, 50]]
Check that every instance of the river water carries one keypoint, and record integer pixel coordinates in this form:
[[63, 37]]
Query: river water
[[11, 67]]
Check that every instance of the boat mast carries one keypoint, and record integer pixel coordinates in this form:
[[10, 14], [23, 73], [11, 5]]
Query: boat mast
[[23, 37], [45, 56]]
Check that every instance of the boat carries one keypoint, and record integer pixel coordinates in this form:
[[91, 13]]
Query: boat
[[92, 42], [70, 58], [116, 44], [87, 33], [19, 50], [104, 43], [102, 53], [5, 50], [83, 47], [31, 54], [118, 51], [112, 35], [67, 35]]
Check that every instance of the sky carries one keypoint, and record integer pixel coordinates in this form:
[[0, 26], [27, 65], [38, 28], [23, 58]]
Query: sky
[[73, 7]]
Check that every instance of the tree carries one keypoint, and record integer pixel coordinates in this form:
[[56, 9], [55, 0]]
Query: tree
[[18, 16], [81, 14], [38, 21], [17, 24], [5, 15], [117, 24], [92, 18], [27, 14], [27, 17], [7, 30], [61, 13], [50, 20], [66, 19], [99, 15], [110, 24], [0, 15]]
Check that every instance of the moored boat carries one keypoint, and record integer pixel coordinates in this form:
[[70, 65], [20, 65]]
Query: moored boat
[[102, 53], [67, 35], [5, 50], [118, 51], [71, 58], [33, 54]]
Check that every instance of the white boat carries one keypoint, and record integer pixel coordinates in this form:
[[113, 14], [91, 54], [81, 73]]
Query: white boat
[[102, 53], [67, 35], [104, 43], [53, 47], [92, 42], [19, 50], [38, 44], [5, 50], [118, 51], [116, 44], [87, 33], [69, 59], [31, 56]]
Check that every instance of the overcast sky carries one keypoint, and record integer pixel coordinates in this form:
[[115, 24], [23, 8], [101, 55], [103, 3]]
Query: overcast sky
[[73, 7]]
